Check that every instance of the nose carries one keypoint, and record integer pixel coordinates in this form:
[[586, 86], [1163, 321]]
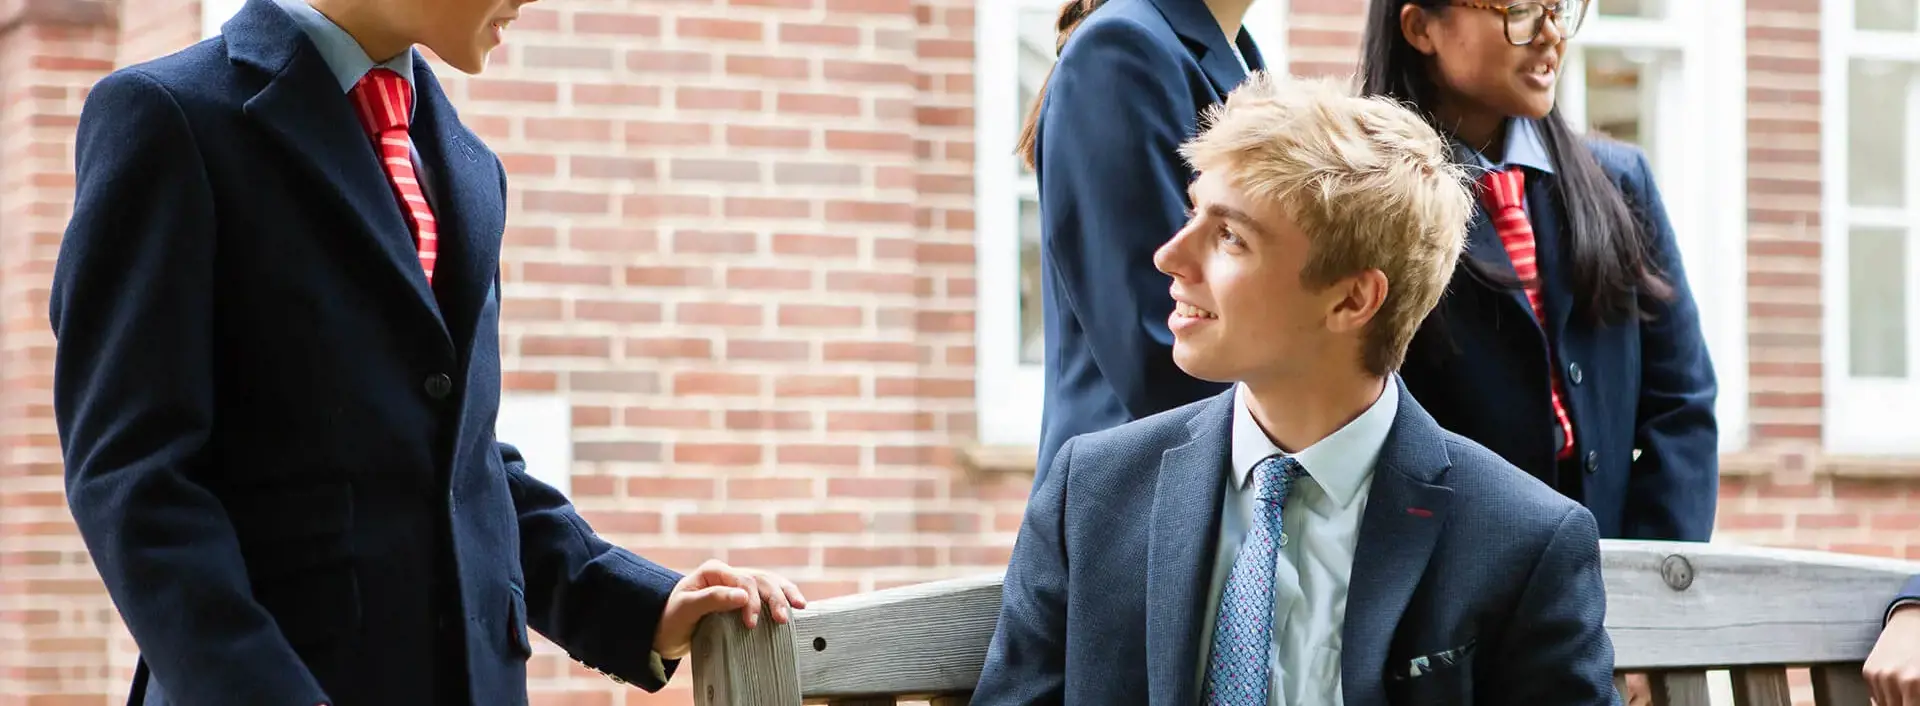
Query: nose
[[1171, 258], [1551, 32]]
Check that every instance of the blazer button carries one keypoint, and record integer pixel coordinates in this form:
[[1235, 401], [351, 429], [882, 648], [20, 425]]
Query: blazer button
[[1593, 461], [1573, 373], [439, 386]]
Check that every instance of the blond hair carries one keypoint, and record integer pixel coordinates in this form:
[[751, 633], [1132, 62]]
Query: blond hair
[[1369, 182]]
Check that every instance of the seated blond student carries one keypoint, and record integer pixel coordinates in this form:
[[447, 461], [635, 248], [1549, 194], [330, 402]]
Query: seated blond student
[[1310, 536]]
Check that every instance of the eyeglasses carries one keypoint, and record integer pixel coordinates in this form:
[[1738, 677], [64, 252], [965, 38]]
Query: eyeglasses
[[1526, 19]]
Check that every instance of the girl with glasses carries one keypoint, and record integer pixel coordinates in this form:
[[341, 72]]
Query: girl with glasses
[[1568, 342]]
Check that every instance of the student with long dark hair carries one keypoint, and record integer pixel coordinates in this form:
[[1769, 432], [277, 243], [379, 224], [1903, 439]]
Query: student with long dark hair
[[1569, 341], [1103, 138]]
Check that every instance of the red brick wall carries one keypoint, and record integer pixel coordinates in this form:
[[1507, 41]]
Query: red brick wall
[[56, 626], [1323, 37], [742, 248], [1783, 247], [151, 28]]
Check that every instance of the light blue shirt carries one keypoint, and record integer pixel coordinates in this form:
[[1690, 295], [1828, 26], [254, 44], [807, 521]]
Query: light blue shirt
[[1525, 147], [1315, 562], [350, 63], [342, 52]]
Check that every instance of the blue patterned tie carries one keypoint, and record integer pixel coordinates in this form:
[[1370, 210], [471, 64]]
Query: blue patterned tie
[[1237, 668]]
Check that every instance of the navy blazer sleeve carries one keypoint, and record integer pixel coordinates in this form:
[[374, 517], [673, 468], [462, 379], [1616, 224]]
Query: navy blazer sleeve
[[1027, 658], [1557, 651], [132, 308], [1908, 595], [1112, 191], [599, 602], [1675, 484]]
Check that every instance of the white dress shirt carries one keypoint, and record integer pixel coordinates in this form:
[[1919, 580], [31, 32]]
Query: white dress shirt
[[1315, 561]]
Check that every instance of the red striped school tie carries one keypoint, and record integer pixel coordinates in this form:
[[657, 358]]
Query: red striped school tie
[[384, 103], [1506, 198]]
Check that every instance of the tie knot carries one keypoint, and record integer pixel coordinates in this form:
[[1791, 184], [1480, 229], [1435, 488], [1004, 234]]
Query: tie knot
[[1275, 476], [383, 100], [1506, 188]]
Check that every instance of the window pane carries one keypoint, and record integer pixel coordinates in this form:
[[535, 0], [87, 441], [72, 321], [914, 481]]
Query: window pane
[[1890, 15], [1037, 38], [1876, 139], [1633, 8], [1032, 335], [1620, 94], [1877, 303]]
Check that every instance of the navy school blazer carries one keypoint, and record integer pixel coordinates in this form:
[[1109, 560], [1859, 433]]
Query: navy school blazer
[[279, 439], [1480, 586], [1127, 91], [1480, 365]]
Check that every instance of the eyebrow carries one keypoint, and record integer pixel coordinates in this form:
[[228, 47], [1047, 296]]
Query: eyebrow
[[1225, 212], [1236, 215]]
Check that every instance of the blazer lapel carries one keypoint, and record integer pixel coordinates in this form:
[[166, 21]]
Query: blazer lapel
[[1406, 507], [1255, 60], [303, 108], [1484, 246], [1196, 25], [1544, 211], [1184, 532], [471, 209]]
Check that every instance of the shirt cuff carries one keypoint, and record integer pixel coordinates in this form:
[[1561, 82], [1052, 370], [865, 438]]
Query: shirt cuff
[[1897, 605]]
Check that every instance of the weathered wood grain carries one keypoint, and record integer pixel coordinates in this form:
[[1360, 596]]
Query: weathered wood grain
[[1840, 685], [925, 639], [1761, 686], [1671, 607], [1743, 605], [734, 666], [1687, 687]]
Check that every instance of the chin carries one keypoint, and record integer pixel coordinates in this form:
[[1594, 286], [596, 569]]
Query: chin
[[470, 65], [470, 60], [1198, 365], [1536, 106]]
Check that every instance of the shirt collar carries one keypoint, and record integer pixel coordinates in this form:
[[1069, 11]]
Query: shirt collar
[[1525, 147], [341, 51], [1340, 464]]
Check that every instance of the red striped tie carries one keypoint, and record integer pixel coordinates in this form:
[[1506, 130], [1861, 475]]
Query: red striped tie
[[1506, 199], [384, 102]]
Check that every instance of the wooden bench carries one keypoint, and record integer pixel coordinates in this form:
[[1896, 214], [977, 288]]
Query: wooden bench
[[1676, 611]]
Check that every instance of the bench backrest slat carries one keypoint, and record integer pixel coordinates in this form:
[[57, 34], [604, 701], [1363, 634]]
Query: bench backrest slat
[[1761, 686], [1674, 610], [1840, 685], [1682, 687]]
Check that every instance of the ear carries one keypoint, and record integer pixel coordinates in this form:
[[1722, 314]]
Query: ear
[[1360, 297], [1415, 23]]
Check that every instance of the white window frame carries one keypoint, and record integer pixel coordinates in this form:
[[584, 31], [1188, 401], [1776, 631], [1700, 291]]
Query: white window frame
[[214, 13], [1864, 416], [1699, 149], [1007, 392]]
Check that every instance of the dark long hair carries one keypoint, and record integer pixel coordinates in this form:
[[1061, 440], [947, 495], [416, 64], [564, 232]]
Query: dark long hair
[[1608, 243], [1071, 14]]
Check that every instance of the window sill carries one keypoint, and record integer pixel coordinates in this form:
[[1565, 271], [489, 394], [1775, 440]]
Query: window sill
[[1760, 464], [997, 460]]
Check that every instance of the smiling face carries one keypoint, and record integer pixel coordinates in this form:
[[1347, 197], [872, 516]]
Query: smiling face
[[463, 32], [1478, 70], [1241, 309], [1325, 227]]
